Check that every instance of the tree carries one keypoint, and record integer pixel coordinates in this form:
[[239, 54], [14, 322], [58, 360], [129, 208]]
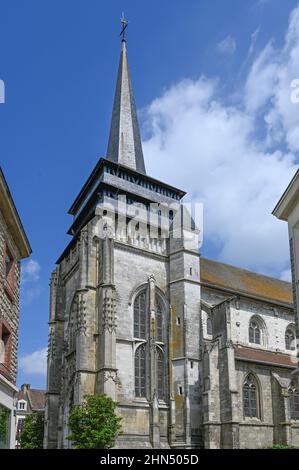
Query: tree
[[4, 426], [94, 424], [32, 434]]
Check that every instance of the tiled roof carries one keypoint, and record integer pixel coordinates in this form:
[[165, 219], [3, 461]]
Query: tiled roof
[[241, 281], [37, 399], [21, 395], [265, 357]]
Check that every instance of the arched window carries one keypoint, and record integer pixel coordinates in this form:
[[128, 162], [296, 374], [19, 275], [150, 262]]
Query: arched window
[[159, 319], [255, 331], [150, 356], [209, 326], [251, 406], [290, 339], [140, 316], [160, 374], [294, 401], [140, 372]]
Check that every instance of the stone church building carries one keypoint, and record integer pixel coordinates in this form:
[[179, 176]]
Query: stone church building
[[195, 352]]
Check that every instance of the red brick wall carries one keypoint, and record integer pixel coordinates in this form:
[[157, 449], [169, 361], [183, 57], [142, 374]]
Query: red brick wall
[[9, 299]]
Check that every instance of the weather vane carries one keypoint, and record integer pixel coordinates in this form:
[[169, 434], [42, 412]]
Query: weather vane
[[124, 23]]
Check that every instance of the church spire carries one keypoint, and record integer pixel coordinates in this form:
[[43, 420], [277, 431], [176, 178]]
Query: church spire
[[124, 145]]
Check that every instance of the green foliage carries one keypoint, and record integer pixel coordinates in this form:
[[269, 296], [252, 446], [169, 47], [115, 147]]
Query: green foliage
[[32, 434], [94, 424], [281, 446], [4, 426]]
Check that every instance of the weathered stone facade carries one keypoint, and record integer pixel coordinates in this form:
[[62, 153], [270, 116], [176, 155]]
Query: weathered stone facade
[[13, 247], [228, 357], [92, 344], [128, 316]]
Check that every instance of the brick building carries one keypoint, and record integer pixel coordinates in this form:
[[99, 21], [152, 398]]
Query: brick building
[[14, 246]]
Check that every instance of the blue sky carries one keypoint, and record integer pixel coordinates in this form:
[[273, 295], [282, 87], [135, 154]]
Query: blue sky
[[204, 71]]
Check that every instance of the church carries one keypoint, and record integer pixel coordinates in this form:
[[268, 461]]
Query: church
[[197, 354]]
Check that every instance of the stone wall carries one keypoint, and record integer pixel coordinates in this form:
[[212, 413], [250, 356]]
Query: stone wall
[[224, 423]]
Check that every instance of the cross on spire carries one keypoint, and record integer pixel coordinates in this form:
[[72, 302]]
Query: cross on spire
[[124, 23]]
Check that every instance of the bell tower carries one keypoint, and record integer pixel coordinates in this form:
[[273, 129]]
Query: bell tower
[[126, 295]]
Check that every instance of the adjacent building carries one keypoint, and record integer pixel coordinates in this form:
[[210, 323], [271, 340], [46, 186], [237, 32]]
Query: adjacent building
[[29, 400], [195, 352], [249, 394], [287, 210], [14, 246]]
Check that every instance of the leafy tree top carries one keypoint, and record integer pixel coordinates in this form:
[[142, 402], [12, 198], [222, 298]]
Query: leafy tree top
[[94, 424], [32, 434]]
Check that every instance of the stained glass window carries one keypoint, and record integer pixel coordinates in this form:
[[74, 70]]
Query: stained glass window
[[140, 316], [250, 398], [140, 372]]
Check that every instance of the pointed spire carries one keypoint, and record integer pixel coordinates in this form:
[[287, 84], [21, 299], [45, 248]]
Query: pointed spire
[[124, 145]]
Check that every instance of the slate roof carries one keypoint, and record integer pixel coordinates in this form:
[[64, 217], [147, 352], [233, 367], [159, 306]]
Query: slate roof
[[124, 145], [37, 399], [240, 281]]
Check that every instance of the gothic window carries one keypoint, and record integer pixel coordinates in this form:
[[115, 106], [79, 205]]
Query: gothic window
[[160, 374], [255, 331], [140, 316], [140, 372], [145, 356], [209, 326], [290, 339], [294, 401], [251, 397], [159, 319]]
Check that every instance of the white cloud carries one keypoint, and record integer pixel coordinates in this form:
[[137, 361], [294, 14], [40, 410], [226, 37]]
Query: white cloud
[[34, 363], [29, 294], [219, 152], [254, 39], [268, 88], [30, 271], [286, 275], [30, 277], [227, 46]]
